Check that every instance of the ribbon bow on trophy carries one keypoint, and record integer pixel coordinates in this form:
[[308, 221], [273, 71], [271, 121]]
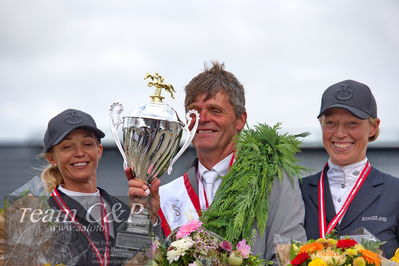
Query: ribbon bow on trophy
[[151, 137]]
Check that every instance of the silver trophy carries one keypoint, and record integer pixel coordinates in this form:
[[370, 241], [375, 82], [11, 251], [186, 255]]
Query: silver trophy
[[151, 137]]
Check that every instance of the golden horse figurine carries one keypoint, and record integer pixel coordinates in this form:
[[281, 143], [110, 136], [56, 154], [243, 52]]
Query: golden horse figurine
[[158, 82]]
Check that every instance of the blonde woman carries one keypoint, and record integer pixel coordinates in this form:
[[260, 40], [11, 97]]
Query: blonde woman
[[73, 149], [349, 193]]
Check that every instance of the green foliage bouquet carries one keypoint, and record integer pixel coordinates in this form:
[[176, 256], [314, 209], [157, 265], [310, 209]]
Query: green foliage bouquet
[[264, 155]]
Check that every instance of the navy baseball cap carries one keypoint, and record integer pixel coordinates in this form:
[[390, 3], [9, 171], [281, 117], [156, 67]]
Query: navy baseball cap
[[63, 123], [351, 95]]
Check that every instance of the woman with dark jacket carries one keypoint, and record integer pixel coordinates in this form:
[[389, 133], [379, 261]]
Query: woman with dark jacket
[[88, 216], [349, 193]]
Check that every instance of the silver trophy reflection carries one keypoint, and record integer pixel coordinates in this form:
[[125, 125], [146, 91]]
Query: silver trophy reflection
[[151, 137]]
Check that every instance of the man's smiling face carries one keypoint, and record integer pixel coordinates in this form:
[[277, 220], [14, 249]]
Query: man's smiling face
[[218, 124]]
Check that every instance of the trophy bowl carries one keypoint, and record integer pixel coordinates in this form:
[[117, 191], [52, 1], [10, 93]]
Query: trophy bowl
[[151, 138], [150, 145]]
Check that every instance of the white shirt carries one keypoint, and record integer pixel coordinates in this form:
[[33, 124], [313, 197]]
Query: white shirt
[[221, 168], [342, 179], [92, 204]]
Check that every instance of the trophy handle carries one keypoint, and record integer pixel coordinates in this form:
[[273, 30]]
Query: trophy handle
[[115, 110], [189, 138]]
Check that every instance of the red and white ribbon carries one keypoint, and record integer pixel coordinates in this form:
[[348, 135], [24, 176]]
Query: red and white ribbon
[[103, 260], [323, 229]]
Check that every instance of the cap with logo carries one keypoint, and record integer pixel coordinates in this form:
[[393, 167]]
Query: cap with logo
[[351, 95], [63, 123]]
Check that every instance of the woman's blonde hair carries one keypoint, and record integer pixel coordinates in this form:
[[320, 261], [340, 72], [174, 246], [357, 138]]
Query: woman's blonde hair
[[52, 177], [373, 121]]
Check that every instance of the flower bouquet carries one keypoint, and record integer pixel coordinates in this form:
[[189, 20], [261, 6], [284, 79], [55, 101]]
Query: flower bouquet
[[330, 251], [191, 244]]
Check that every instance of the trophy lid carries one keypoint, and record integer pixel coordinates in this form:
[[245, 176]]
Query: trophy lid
[[156, 109]]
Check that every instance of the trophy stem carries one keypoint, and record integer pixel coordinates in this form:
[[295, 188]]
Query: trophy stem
[[139, 223]]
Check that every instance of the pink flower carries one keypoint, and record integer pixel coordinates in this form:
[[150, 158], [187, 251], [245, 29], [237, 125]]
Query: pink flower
[[150, 253], [154, 246], [188, 228], [244, 248], [226, 245]]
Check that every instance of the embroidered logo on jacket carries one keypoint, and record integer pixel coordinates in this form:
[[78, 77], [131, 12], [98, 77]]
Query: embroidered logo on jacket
[[375, 218]]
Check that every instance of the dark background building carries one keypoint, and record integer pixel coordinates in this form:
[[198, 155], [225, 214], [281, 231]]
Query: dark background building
[[20, 162]]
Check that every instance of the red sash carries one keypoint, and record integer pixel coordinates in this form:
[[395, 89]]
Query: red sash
[[194, 200], [103, 260], [323, 229], [193, 196]]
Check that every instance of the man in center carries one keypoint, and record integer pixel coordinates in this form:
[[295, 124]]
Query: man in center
[[220, 100]]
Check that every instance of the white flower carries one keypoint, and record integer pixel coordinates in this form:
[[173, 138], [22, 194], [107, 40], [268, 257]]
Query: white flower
[[174, 254], [184, 243], [179, 247]]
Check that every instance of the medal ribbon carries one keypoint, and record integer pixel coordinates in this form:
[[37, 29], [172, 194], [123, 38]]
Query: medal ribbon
[[322, 208], [104, 222]]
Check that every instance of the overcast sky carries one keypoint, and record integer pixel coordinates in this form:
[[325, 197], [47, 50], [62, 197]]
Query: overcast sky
[[88, 54]]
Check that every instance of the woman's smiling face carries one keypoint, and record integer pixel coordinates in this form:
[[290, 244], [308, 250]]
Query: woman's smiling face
[[345, 137], [77, 157]]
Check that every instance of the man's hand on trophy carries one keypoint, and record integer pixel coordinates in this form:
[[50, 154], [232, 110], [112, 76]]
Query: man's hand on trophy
[[129, 173], [142, 193]]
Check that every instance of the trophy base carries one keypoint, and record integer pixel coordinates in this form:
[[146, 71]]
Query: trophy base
[[133, 241], [135, 234]]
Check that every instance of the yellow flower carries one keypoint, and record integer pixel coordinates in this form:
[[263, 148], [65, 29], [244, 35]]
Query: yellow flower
[[359, 261], [370, 257], [332, 242], [321, 241], [351, 252], [395, 258], [295, 248], [327, 243], [330, 256], [358, 246], [317, 262]]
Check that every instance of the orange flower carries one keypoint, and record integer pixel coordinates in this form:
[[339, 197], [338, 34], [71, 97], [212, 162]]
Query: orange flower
[[311, 247], [370, 257]]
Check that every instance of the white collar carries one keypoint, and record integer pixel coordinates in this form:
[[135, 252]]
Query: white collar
[[75, 193], [349, 169], [87, 200], [222, 167]]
